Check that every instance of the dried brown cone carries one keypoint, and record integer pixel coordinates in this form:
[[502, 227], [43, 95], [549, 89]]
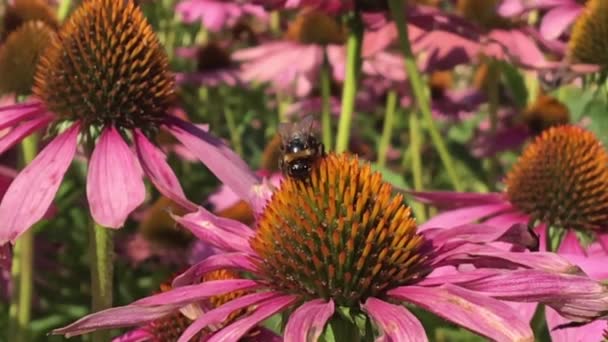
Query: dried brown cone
[[562, 179], [22, 11], [107, 68], [588, 43], [19, 56]]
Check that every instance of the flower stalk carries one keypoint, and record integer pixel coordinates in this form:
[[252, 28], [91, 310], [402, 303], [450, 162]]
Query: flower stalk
[[22, 267], [325, 80], [398, 11], [387, 129], [349, 92], [415, 147], [102, 273], [493, 103]]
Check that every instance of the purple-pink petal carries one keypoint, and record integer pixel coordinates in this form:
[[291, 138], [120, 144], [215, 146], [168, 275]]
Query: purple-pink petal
[[223, 233], [220, 314], [558, 19], [482, 233], [451, 199], [308, 321], [122, 316], [463, 216], [575, 297], [155, 166], [17, 133], [239, 261], [219, 158], [236, 330], [114, 182], [538, 260], [187, 294], [484, 315], [31, 193], [589, 332], [10, 115], [135, 335], [395, 322]]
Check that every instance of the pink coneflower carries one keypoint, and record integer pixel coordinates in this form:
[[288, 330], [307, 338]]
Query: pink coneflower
[[107, 77], [341, 241], [292, 64], [215, 15], [213, 66], [559, 16], [560, 180]]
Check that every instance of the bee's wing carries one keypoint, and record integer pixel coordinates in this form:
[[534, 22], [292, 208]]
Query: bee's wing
[[300, 128], [285, 130]]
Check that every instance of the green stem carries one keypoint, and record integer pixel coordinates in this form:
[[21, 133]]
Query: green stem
[[398, 10], [415, 148], [64, 9], [349, 92], [22, 267], [235, 137], [102, 272], [326, 107], [493, 103], [387, 130]]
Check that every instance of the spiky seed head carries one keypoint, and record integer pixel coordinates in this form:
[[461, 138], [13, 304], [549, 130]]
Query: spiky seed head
[[562, 179], [19, 56], [108, 67], [340, 234]]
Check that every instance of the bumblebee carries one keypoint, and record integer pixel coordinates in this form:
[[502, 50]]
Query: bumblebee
[[300, 148]]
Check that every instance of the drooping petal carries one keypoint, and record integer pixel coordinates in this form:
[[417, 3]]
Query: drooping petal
[[236, 330], [219, 158], [31, 193], [114, 182], [10, 115], [575, 297], [122, 316], [21, 131], [517, 234], [220, 314], [237, 261], [395, 322], [223, 233], [308, 321], [463, 216], [192, 293], [153, 162], [484, 315], [590, 332], [539, 260]]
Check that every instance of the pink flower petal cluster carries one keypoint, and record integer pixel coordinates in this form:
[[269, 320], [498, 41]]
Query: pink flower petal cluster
[[216, 15], [472, 299], [559, 16]]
